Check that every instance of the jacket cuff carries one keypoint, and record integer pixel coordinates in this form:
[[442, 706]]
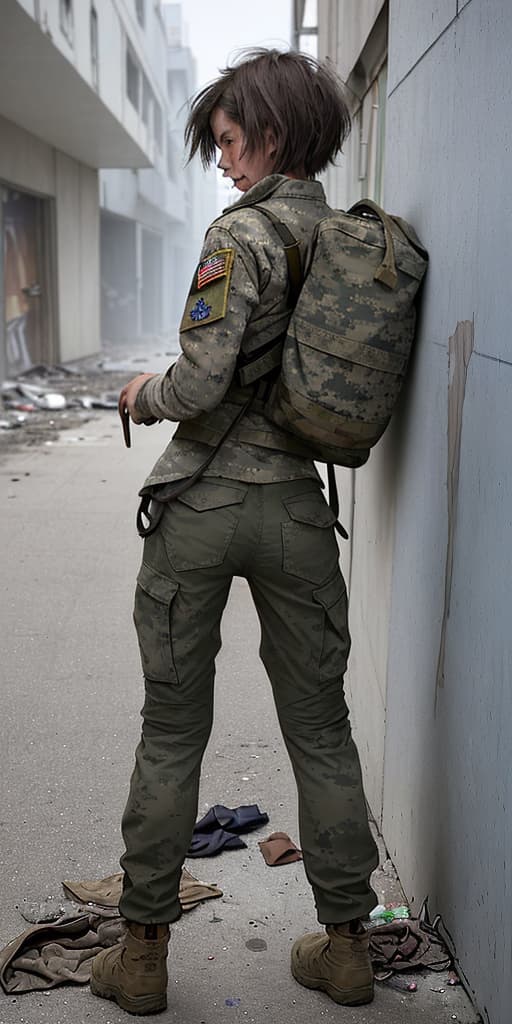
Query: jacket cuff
[[144, 402]]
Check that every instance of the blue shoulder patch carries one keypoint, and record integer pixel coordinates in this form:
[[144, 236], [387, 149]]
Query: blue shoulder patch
[[200, 311]]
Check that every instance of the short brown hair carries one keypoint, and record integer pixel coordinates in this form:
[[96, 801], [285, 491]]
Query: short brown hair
[[299, 99]]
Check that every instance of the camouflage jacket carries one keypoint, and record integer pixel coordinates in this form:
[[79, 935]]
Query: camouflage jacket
[[237, 302]]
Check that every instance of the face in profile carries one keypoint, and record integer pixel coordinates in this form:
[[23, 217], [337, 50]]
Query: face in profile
[[244, 170]]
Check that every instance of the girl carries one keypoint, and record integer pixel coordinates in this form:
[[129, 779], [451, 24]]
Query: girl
[[250, 506]]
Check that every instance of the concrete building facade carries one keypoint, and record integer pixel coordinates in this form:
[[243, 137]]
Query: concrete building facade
[[152, 219], [85, 86], [428, 561]]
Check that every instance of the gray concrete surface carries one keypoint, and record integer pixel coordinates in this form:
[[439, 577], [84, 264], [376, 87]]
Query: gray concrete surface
[[71, 693]]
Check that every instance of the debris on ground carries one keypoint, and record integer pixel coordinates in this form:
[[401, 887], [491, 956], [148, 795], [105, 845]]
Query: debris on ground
[[388, 913], [41, 401]]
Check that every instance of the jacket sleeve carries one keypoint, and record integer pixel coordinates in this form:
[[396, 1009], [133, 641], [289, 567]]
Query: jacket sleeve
[[223, 295]]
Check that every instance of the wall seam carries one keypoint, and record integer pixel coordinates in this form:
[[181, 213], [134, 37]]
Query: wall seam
[[481, 355], [429, 48]]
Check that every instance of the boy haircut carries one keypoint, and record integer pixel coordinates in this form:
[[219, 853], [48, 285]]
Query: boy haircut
[[298, 99]]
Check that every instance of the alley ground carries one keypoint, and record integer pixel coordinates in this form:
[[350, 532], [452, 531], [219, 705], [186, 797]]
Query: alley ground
[[71, 693]]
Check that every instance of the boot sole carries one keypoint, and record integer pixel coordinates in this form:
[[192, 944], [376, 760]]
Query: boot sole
[[139, 1005], [345, 997]]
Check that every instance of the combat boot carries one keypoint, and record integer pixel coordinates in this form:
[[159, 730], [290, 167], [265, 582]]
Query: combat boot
[[337, 962], [134, 972]]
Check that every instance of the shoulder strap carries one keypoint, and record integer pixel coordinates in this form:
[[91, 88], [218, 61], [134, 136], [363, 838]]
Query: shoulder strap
[[291, 251]]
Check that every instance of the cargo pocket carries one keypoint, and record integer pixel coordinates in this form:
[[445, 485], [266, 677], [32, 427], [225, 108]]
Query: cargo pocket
[[336, 637], [310, 550], [154, 595], [199, 526]]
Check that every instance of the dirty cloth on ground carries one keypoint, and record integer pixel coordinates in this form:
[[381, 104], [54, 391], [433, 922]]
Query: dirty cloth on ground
[[47, 955], [238, 819], [61, 952], [220, 828], [405, 946], [106, 892]]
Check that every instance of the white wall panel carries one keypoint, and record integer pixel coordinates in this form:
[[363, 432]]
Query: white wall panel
[[448, 781], [26, 161], [414, 26], [77, 258]]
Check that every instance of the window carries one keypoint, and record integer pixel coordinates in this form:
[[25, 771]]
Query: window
[[66, 18], [132, 77], [171, 157], [157, 123], [139, 8], [94, 46], [146, 99], [307, 30]]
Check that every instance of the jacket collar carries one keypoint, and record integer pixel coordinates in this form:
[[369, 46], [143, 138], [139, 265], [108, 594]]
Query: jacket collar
[[281, 185]]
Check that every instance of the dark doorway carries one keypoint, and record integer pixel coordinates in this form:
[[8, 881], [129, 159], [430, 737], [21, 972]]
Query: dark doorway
[[27, 276]]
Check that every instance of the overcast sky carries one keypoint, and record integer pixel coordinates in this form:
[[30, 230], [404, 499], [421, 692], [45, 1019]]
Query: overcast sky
[[215, 29]]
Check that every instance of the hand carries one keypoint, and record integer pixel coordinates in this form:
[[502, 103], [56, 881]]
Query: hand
[[129, 394]]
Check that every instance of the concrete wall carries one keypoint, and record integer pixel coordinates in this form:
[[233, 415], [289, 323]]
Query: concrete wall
[[25, 161], [76, 191], [448, 775], [367, 496], [430, 558]]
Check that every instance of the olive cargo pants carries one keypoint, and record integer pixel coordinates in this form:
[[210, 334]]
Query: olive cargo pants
[[280, 537]]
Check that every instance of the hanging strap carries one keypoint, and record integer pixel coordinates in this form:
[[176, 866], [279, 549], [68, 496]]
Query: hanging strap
[[171, 494], [334, 500], [386, 273]]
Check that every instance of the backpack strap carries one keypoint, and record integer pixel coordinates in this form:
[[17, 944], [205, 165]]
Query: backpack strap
[[267, 358], [291, 251]]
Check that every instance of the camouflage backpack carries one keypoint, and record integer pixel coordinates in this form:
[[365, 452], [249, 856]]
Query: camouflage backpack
[[338, 370]]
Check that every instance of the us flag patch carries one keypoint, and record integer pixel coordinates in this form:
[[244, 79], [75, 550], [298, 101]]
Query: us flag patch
[[212, 267]]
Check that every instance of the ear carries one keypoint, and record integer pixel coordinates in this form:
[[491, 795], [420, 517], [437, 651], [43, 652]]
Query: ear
[[270, 143]]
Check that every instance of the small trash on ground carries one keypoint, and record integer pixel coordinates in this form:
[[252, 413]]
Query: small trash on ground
[[382, 913], [107, 400], [401, 984], [36, 396], [232, 1002], [11, 422]]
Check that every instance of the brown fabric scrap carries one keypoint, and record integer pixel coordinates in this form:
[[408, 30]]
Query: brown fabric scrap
[[279, 849], [106, 892]]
